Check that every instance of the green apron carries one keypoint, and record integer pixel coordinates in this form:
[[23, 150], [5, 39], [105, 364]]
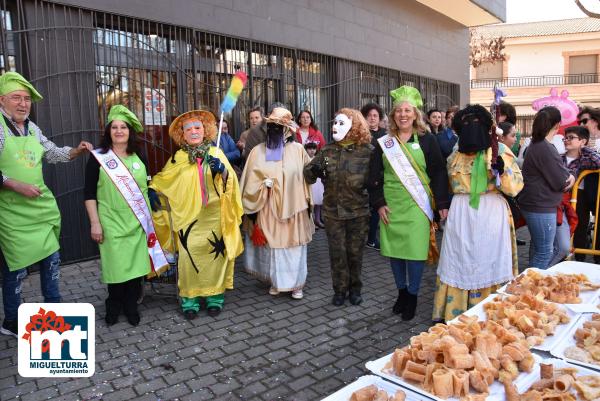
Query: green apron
[[29, 227], [406, 236], [124, 251]]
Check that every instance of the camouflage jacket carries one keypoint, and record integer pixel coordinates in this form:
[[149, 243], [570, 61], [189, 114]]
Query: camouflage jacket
[[346, 171]]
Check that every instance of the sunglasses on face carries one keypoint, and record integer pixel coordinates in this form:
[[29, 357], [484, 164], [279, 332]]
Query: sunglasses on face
[[584, 121], [571, 137]]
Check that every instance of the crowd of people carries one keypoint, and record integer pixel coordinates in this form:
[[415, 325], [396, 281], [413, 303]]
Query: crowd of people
[[386, 182]]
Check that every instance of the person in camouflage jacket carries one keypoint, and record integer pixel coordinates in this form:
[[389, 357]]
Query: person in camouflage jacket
[[343, 167]]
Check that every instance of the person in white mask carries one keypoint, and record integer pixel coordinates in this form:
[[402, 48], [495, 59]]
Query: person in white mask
[[343, 167]]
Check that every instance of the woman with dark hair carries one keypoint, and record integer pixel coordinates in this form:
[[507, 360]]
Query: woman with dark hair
[[308, 131], [546, 178], [479, 250], [114, 226], [434, 120], [407, 174], [589, 118], [508, 113]]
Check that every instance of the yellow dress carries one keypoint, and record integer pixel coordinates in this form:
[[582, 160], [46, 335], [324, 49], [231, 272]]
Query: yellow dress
[[450, 301], [208, 237]]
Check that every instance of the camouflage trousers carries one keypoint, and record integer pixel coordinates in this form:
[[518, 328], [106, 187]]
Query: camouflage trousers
[[347, 239]]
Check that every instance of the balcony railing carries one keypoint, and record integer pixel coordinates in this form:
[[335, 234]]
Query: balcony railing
[[540, 80]]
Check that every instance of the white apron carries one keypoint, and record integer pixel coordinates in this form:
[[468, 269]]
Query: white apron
[[476, 248]]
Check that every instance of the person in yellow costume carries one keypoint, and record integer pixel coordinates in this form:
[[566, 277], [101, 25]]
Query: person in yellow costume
[[479, 248], [29, 215], [206, 210]]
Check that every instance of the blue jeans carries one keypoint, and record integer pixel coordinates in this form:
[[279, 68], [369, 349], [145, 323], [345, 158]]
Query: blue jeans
[[414, 268], [373, 227], [12, 284], [542, 228], [562, 242]]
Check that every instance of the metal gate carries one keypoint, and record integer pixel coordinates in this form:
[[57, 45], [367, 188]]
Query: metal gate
[[84, 61]]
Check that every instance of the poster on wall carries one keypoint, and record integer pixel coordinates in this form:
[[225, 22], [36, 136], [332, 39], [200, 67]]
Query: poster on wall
[[154, 107]]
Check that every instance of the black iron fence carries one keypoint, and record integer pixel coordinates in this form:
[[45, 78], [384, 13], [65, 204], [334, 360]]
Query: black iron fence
[[524, 123], [85, 61], [541, 80]]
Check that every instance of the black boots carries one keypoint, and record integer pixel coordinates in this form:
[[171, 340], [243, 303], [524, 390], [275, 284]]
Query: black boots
[[338, 299], [355, 298], [411, 306], [406, 304], [400, 304]]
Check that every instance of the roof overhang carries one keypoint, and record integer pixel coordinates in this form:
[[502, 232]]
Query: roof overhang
[[464, 12]]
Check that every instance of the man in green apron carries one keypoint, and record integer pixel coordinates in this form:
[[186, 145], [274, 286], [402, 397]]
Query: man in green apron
[[29, 216]]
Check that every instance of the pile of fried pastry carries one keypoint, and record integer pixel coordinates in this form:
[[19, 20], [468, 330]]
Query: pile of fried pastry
[[449, 360], [587, 348], [373, 393], [526, 316], [558, 385], [561, 288]]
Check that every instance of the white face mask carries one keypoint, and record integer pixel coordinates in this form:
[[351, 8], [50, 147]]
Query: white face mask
[[341, 126]]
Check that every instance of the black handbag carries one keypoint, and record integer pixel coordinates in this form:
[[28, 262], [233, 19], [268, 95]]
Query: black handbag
[[515, 210]]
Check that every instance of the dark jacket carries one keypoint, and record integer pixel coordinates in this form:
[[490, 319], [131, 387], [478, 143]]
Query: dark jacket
[[545, 176], [228, 147], [345, 181], [375, 135], [435, 169], [256, 135], [446, 144]]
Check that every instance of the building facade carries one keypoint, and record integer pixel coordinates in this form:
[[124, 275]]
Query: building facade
[[162, 58], [540, 56]]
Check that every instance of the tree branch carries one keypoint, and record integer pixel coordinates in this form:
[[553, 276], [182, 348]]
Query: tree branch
[[586, 11]]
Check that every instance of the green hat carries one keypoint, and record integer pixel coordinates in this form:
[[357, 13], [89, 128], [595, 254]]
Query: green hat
[[407, 94], [13, 81], [122, 113]]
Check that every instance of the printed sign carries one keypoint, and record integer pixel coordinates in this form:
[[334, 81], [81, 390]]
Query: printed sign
[[155, 112], [56, 340]]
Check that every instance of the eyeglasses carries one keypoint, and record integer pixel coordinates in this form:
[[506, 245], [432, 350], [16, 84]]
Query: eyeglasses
[[584, 121], [570, 137], [20, 99]]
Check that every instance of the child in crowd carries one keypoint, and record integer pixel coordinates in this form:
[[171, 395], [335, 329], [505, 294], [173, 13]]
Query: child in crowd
[[317, 188], [509, 134]]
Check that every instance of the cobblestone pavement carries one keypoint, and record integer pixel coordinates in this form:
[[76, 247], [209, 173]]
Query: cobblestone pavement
[[260, 348]]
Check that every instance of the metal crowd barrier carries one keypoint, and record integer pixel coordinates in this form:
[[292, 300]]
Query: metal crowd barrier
[[574, 191]]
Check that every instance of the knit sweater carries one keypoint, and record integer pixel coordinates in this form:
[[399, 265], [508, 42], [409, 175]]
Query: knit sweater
[[545, 176]]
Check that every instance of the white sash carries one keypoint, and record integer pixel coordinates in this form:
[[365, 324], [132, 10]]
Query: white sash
[[125, 183], [406, 172]]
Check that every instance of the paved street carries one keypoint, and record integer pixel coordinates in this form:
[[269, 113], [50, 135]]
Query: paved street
[[260, 348]]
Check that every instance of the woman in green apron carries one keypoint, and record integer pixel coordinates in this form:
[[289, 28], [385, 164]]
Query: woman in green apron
[[408, 180], [114, 226]]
